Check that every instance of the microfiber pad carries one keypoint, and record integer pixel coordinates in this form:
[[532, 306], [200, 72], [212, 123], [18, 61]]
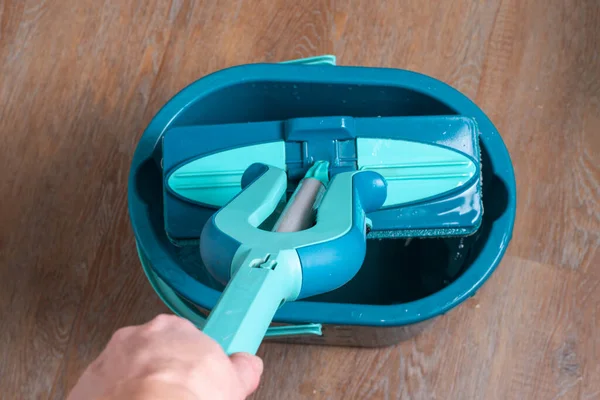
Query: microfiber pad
[[433, 170]]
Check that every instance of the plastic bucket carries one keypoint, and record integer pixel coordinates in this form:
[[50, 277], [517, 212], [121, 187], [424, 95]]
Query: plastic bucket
[[403, 284]]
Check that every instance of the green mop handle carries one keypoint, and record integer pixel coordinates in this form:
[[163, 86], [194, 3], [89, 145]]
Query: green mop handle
[[248, 304]]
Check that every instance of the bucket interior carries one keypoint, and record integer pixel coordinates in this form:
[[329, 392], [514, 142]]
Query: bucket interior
[[395, 270]]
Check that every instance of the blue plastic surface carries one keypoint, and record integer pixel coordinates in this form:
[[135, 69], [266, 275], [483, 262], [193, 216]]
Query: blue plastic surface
[[431, 163], [328, 265], [258, 287], [272, 267], [397, 284], [213, 180], [325, 138], [330, 253]]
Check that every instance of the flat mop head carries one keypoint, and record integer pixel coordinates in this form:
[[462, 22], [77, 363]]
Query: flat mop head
[[431, 165]]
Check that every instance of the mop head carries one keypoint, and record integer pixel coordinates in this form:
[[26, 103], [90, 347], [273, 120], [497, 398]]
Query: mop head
[[432, 166]]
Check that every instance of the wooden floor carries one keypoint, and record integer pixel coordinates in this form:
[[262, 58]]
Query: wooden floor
[[80, 79]]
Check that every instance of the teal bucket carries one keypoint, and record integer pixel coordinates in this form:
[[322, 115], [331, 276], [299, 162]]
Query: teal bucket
[[403, 284]]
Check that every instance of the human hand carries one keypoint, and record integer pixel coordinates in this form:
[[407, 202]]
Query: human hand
[[167, 358]]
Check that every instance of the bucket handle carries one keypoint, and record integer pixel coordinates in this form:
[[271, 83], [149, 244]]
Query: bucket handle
[[189, 311]]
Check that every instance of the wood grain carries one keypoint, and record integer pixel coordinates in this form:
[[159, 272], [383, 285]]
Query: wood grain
[[519, 337], [80, 79]]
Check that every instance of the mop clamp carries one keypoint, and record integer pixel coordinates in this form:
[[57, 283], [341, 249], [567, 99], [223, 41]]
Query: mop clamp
[[296, 258]]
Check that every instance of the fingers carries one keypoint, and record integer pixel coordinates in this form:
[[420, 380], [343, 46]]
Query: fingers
[[249, 368]]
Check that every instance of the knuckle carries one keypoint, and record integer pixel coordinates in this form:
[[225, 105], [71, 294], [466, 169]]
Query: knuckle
[[97, 366], [159, 323], [186, 324], [166, 319], [214, 355], [121, 334]]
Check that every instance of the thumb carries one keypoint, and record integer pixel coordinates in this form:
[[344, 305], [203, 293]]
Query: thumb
[[249, 369]]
